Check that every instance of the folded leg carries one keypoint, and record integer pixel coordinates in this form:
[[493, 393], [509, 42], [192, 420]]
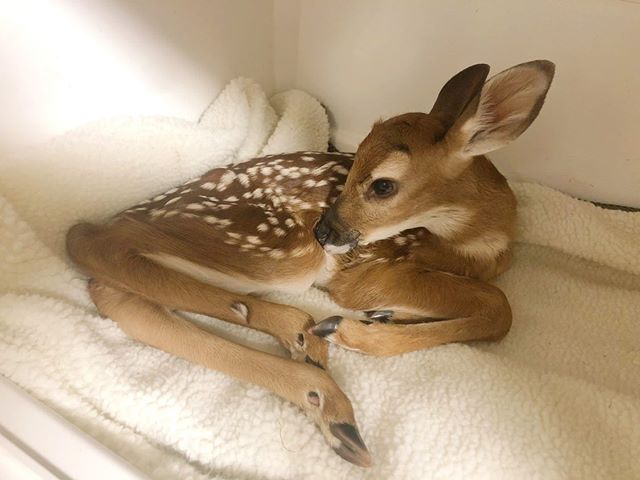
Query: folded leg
[[452, 309]]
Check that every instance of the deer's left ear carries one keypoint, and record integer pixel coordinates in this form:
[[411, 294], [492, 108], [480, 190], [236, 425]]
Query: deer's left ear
[[508, 103]]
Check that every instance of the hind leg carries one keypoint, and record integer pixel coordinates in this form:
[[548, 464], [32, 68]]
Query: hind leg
[[310, 388], [114, 262]]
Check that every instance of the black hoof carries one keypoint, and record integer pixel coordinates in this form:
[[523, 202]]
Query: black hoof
[[326, 326], [351, 448]]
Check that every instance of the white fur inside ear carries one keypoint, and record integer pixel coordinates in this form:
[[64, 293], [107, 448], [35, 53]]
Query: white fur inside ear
[[509, 102]]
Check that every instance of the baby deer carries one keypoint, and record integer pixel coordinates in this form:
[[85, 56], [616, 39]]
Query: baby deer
[[407, 232]]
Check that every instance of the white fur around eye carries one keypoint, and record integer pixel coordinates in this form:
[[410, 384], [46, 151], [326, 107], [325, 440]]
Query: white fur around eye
[[392, 167]]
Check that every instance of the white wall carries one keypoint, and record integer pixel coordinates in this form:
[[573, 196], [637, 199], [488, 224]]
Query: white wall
[[367, 59], [66, 62]]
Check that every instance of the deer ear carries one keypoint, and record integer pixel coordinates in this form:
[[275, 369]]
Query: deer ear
[[458, 93], [508, 103]]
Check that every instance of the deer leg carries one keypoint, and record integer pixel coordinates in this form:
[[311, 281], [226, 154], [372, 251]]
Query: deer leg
[[310, 388], [112, 262], [464, 309]]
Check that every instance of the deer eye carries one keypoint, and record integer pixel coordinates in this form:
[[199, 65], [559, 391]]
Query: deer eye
[[383, 187]]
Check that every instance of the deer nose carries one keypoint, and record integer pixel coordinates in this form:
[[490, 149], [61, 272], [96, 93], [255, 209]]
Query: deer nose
[[323, 231]]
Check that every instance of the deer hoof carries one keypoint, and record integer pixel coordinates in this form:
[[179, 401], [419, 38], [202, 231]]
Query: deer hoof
[[351, 447], [326, 327]]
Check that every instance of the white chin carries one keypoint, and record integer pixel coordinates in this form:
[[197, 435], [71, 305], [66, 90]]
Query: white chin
[[337, 249]]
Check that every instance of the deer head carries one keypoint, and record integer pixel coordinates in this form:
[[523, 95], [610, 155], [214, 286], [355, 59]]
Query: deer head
[[413, 170]]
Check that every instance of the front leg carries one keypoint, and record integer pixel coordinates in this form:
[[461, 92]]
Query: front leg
[[454, 309]]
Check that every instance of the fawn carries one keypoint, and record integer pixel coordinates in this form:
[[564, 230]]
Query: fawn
[[408, 231]]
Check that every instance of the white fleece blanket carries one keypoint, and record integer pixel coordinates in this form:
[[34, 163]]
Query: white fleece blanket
[[558, 398]]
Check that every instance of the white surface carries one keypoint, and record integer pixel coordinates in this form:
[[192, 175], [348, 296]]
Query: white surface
[[370, 59], [69, 62], [15, 464], [36, 443], [558, 398]]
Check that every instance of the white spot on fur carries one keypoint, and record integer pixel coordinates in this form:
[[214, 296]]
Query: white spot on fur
[[232, 198], [208, 186], [173, 200], [276, 253], [263, 227], [279, 232], [243, 178], [222, 222], [225, 180], [195, 206]]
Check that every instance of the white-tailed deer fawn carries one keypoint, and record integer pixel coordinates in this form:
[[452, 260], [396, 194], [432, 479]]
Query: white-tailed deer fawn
[[408, 232]]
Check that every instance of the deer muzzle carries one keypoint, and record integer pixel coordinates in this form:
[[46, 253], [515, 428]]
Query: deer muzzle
[[333, 234]]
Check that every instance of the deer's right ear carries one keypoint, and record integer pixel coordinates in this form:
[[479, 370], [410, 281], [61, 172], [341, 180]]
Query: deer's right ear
[[508, 103]]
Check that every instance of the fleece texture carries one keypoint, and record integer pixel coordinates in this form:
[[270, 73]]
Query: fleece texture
[[558, 398]]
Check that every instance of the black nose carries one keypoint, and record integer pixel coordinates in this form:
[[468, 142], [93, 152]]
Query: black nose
[[322, 231]]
